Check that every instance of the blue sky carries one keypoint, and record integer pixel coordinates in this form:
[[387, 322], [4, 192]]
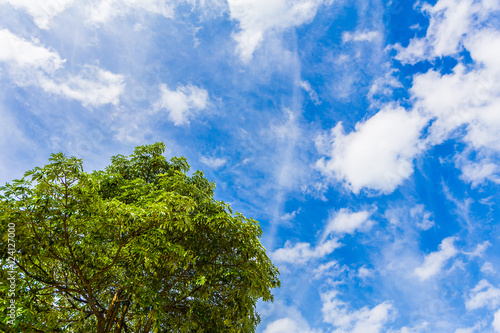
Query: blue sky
[[364, 136]]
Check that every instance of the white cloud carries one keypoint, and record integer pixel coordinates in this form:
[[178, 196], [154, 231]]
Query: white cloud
[[32, 64], [496, 322], [183, 103], [313, 96], [41, 11], [415, 329], [93, 86], [434, 261], [364, 320], [479, 250], [470, 99], [213, 162], [483, 295], [383, 86], [360, 36], [106, 10], [378, 155], [477, 172], [413, 53], [300, 253], [422, 217], [324, 268], [460, 98], [473, 329], [287, 325], [345, 221], [25, 55], [286, 218], [409, 215], [487, 268], [450, 22], [258, 17], [364, 272]]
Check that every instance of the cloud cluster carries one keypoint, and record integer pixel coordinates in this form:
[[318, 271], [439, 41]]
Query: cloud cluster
[[340, 223], [337, 313], [378, 154], [30, 63], [258, 17]]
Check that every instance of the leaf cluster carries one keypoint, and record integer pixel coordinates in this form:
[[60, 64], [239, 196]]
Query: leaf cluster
[[137, 247]]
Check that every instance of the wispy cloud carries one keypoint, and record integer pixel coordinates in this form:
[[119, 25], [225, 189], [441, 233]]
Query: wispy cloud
[[213, 162], [105, 10], [360, 36]]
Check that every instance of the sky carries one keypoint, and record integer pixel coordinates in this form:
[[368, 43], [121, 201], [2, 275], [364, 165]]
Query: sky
[[364, 136]]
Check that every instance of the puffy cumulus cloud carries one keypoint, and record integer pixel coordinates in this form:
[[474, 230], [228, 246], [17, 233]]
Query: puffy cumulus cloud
[[360, 36], [41, 11], [434, 261], [337, 313], [378, 155], [483, 295], [257, 17], [496, 322], [213, 162], [347, 222], [470, 99], [183, 103], [461, 98], [288, 325], [32, 64], [301, 253]]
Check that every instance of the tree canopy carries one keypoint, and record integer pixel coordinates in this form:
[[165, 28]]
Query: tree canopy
[[137, 247]]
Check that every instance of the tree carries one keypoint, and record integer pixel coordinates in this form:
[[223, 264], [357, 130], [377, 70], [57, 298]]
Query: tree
[[137, 247]]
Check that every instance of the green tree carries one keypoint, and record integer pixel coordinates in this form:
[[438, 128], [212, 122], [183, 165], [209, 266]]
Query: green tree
[[137, 247]]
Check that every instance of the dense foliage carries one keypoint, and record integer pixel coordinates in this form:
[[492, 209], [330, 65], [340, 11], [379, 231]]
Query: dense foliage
[[137, 247]]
